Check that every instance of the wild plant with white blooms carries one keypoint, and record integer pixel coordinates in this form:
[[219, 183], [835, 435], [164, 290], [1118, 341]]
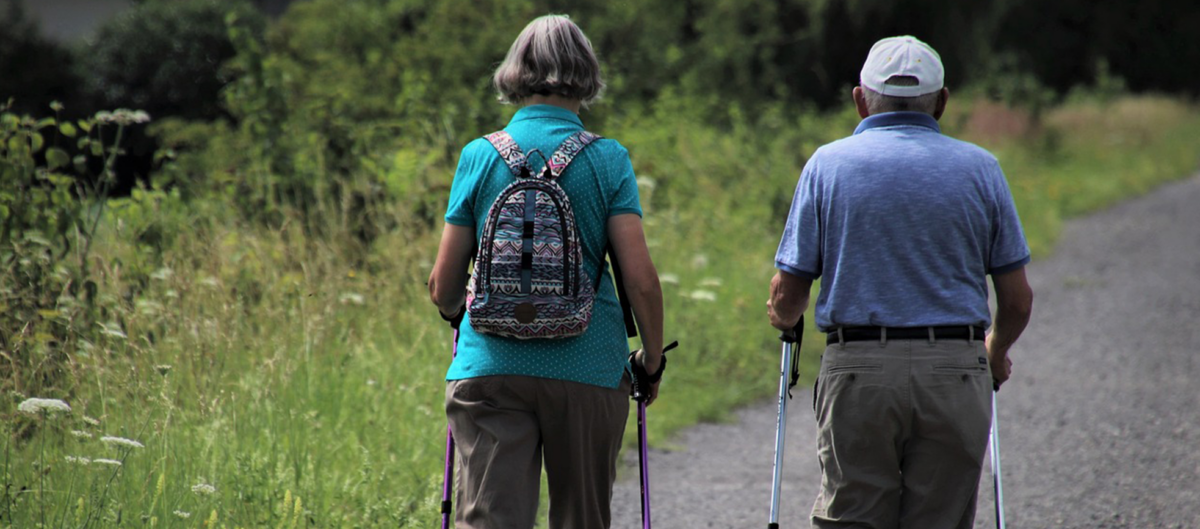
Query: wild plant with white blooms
[[121, 441], [36, 406]]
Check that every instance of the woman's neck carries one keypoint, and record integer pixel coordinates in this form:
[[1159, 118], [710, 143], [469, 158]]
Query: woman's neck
[[554, 100]]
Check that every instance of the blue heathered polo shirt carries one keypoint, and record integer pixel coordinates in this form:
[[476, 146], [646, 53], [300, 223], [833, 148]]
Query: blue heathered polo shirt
[[600, 183], [902, 225]]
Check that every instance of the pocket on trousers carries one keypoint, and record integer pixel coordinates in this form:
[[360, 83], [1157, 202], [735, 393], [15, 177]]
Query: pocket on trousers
[[478, 389], [960, 369], [838, 369]]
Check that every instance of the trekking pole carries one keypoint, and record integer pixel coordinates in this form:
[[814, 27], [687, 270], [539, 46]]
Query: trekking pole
[[641, 392], [448, 475], [791, 350], [997, 485]]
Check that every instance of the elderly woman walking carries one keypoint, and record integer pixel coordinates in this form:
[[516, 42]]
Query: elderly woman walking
[[558, 395]]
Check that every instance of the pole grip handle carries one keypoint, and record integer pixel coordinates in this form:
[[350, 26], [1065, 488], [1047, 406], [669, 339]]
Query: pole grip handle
[[790, 335]]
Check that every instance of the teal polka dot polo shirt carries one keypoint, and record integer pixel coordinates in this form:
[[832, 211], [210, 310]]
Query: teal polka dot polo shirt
[[600, 183]]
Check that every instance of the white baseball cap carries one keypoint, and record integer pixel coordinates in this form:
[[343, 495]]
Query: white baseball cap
[[903, 56]]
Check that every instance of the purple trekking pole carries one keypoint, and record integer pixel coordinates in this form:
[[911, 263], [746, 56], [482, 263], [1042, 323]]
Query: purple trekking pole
[[643, 461], [448, 476], [641, 392]]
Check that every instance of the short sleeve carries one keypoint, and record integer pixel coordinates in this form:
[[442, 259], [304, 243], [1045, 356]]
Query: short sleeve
[[799, 250], [1008, 250], [624, 196], [460, 210]]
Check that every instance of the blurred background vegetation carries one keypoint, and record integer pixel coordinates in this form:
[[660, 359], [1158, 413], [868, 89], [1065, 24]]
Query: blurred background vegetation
[[232, 271]]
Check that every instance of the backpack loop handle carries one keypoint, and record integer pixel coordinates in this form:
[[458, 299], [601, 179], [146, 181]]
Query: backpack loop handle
[[518, 162]]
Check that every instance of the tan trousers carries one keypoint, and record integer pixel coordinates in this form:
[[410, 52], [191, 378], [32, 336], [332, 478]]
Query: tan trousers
[[902, 427], [505, 427]]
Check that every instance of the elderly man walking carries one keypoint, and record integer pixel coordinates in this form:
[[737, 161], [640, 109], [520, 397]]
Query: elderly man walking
[[903, 225]]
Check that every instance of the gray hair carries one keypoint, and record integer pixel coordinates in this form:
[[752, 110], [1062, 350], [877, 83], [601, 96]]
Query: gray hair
[[878, 103], [550, 56]]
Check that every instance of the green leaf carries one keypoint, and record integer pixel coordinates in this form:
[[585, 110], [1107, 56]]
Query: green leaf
[[36, 238], [67, 129], [97, 148], [38, 141], [60, 180], [56, 158], [46, 122]]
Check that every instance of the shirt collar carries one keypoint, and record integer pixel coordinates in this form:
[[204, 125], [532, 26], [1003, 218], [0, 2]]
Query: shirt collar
[[898, 119], [546, 112]]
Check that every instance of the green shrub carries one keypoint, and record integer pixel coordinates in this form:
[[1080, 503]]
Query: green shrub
[[49, 298]]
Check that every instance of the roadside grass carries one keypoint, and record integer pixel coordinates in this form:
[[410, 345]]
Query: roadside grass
[[272, 383]]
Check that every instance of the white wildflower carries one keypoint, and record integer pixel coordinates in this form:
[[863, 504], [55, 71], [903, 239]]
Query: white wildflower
[[110, 440], [703, 295], [79, 460], [699, 261], [183, 515], [351, 297], [122, 116], [210, 282], [710, 282], [162, 369], [81, 434], [91, 421], [647, 182], [670, 279], [203, 489], [35, 406], [110, 462]]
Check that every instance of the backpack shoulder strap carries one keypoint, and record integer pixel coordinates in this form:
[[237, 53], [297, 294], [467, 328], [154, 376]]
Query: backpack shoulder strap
[[622, 297], [513, 157], [566, 152]]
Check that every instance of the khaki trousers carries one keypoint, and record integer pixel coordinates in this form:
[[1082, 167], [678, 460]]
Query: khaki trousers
[[506, 426], [902, 427]]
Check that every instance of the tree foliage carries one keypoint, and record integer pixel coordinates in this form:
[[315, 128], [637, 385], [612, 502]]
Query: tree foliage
[[165, 57], [33, 70]]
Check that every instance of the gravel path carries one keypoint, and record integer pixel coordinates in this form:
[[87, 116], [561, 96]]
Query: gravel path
[[1100, 427]]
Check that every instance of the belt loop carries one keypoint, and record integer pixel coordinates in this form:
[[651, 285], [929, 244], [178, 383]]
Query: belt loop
[[882, 336], [970, 335], [932, 336], [841, 338]]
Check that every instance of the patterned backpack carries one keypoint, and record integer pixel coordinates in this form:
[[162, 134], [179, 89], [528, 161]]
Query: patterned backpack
[[529, 280]]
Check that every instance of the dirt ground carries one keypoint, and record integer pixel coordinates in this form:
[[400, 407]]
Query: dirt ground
[[1099, 426]]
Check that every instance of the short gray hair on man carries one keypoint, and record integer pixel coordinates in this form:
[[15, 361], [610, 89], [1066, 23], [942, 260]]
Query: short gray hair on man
[[550, 56], [878, 103]]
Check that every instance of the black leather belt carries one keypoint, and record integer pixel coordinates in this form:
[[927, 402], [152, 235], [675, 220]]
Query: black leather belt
[[864, 334]]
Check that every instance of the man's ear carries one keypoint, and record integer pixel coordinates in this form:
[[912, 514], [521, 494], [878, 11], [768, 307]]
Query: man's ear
[[943, 96], [860, 102]]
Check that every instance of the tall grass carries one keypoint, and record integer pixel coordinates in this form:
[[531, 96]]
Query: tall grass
[[276, 377]]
